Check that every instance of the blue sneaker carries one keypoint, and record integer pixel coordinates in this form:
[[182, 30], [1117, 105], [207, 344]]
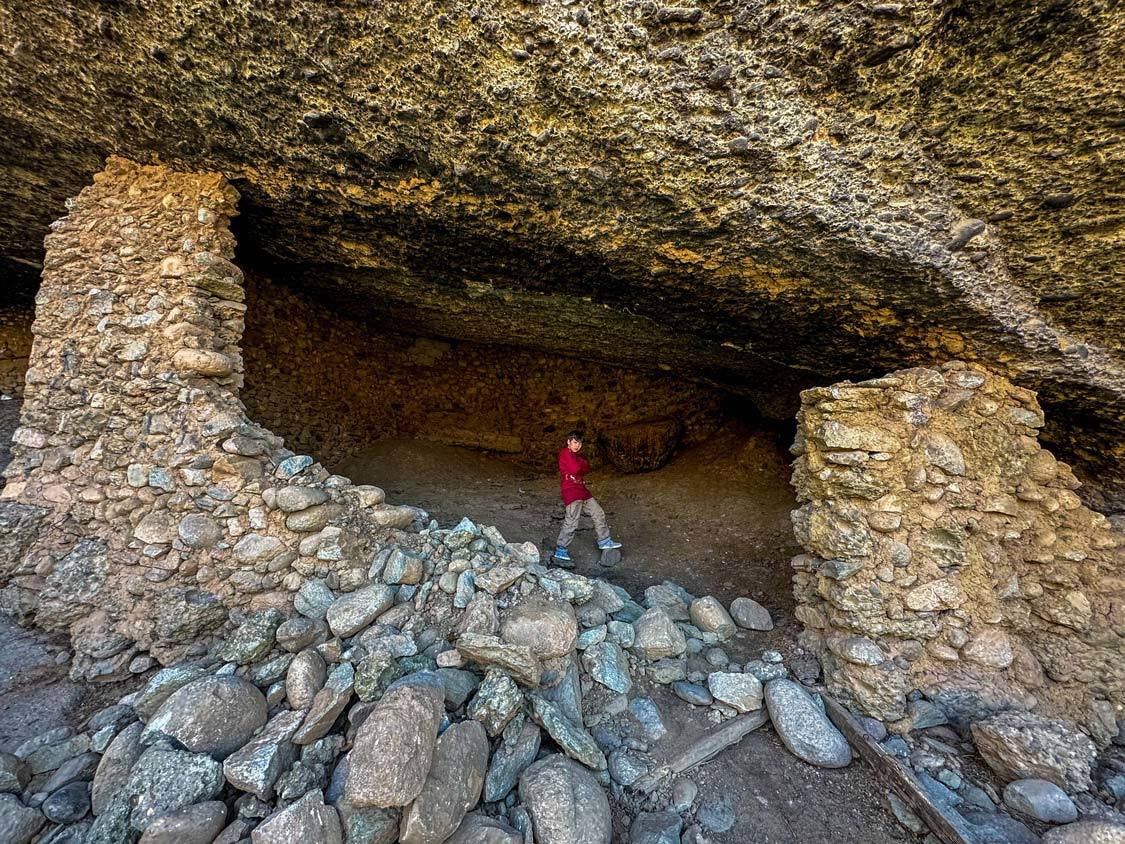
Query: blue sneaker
[[562, 555], [608, 545]]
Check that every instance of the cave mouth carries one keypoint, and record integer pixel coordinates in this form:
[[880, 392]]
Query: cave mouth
[[694, 480]]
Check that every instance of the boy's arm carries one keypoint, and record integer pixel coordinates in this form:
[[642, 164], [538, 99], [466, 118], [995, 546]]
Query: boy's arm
[[570, 466]]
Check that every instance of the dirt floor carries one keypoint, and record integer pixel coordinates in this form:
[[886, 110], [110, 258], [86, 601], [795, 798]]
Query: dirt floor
[[716, 521]]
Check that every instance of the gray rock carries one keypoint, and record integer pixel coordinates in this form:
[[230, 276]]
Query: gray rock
[[368, 825], [481, 829], [452, 787], [459, 685], [403, 567], [14, 774], [547, 628], [306, 676], [115, 765], [693, 693], [199, 823], [1041, 800], [924, 714], [710, 616], [162, 685], [164, 779], [50, 755], [717, 815], [1020, 745], [743, 692], [566, 804], [572, 738], [667, 671], [512, 756], [804, 728], [79, 769], [252, 639], [293, 499], [296, 634], [18, 823], [327, 705], [214, 715], [313, 599], [353, 612], [198, 530], [497, 701], [307, 821], [684, 792], [489, 651], [626, 766], [374, 675], [1087, 832], [393, 748], [670, 598], [656, 636], [656, 828], [750, 614], [992, 827], [566, 694], [607, 664], [68, 804], [257, 765]]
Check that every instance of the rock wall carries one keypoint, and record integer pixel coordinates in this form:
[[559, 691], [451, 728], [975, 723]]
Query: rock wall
[[15, 346], [331, 385], [949, 553], [142, 503]]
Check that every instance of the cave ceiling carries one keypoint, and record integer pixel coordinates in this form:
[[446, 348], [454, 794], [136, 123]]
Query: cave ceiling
[[766, 195]]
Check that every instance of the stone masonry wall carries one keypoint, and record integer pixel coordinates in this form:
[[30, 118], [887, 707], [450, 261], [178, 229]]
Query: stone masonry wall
[[949, 553], [15, 346], [330, 385], [142, 503]]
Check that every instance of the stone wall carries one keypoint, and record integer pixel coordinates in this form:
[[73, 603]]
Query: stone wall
[[331, 385], [15, 346], [142, 503], [949, 553]]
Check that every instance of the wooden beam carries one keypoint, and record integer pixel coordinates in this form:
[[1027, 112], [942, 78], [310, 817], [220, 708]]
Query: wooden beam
[[710, 745], [946, 825]]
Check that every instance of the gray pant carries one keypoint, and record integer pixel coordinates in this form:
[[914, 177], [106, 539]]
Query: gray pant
[[574, 511]]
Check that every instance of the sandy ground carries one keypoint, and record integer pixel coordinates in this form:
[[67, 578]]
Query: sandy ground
[[715, 520]]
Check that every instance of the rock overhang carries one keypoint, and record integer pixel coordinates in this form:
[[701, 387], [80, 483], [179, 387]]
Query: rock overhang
[[650, 190]]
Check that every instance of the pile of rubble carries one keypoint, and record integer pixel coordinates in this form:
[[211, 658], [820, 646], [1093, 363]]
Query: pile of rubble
[[465, 693]]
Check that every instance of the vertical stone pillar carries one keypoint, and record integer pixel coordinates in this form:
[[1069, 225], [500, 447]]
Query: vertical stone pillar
[[142, 503], [948, 553]]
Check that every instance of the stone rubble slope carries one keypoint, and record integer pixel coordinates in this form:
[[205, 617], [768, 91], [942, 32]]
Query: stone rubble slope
[[489, 699]]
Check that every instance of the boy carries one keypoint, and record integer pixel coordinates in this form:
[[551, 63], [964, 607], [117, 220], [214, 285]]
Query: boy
[[572, 469]]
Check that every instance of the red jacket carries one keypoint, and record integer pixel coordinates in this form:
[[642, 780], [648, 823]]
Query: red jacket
[[572, 468]]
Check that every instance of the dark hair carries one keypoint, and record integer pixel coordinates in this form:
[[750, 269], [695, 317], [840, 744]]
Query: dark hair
[[574, 435]]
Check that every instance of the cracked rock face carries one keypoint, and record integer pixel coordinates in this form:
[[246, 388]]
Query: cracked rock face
[[776, 193]]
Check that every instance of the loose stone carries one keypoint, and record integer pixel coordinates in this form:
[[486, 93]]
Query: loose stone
[[308, 821], [803, 727], [709, 615], [452, 787], [215, 715], [1041, 800], [750, 614], [743, 692], [566, 804], [196, 824]]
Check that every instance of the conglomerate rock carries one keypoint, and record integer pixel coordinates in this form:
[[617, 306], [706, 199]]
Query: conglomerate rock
[[949, 552], [769, 194]]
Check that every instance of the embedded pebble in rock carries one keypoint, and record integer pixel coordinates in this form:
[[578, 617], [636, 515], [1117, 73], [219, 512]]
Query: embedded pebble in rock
[[481, 829], [68, 804], [392, 750], [566, 804], [327, 705], [255, 767], [1021, 745], [710, 616], [313, 599], [113, 769], [803, 727], [693, 693], [293, 499], [496, 702], [452, 788], [199, 823], [1087, 832], [307, 821], [513, 754], [252, 639], [215, 715], [199, 531], [517, 660], [1041, 800], [656, 828], [750, 614], [656, 636], [743, 692], [351, 613], [164, 779], [607, 664], [572, 738], [549, 629], [18, 823], [305, 677]]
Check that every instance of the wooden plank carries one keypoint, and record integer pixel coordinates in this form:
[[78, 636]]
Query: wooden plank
[[710, 745], [946, 825]]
